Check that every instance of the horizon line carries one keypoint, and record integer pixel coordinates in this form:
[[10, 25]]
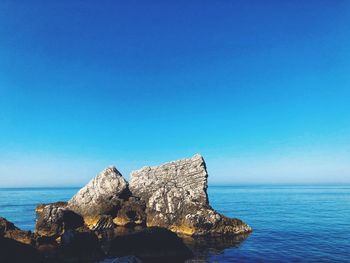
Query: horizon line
[[209, 185]]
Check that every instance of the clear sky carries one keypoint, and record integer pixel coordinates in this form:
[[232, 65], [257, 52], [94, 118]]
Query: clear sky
[[260, 88]]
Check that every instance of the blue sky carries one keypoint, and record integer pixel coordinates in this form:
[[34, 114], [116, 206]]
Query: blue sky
[[260, 88]]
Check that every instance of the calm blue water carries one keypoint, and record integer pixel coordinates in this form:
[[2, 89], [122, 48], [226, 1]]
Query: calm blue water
[[291, 223]]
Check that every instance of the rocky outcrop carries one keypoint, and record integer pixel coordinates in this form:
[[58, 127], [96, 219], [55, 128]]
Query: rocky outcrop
[[176, 198], [110, 216], [53, 219], [103, 195]]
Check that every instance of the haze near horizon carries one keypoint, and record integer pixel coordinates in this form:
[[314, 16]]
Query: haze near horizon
[[260, 88]]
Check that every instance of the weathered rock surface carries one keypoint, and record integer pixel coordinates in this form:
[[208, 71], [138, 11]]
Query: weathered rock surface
[[53, 219], [151, 245], [176, 198], [103, 195]]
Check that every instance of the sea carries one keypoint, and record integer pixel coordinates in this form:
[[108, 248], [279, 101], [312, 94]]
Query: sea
[[291, 223]]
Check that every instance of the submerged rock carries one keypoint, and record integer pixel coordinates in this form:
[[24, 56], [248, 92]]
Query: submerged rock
[[176, 198], [103, 195]]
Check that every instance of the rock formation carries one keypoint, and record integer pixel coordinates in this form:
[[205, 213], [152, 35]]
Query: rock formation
[[106, 201], [176, 198], [130, 219]]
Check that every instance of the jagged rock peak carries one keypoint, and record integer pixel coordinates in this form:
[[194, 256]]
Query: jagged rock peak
[[101, 195]]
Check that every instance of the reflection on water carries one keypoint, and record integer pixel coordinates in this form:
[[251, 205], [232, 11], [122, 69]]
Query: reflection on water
[[204, 247]]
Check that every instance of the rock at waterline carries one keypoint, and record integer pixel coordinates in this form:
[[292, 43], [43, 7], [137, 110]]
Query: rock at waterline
[[6, 225], [9, 230], [176, 198]]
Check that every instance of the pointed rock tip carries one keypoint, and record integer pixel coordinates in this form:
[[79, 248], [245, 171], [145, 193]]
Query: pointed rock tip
[[197, 156], [111, 168]]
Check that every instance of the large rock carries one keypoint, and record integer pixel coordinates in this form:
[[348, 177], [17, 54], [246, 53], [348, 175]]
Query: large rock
[[53, 219], [176, 198], [103, 195]]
